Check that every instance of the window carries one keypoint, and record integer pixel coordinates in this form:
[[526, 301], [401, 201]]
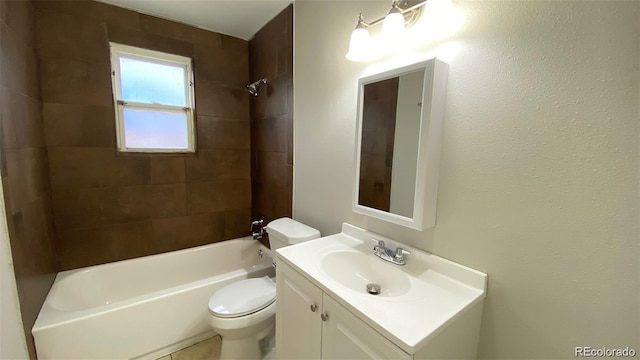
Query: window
[[153, 96]]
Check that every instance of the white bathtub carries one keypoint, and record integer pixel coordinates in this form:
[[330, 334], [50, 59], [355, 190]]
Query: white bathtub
[[141, 308]]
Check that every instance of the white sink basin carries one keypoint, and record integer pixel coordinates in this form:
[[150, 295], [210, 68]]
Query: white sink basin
[[416, 300], [356, 270]]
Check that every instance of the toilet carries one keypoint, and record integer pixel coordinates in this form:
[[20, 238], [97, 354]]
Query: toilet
[[243, 312]]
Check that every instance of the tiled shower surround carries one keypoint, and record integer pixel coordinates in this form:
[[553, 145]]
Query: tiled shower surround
[[72, 201], [109, 207], [271, 56], [25, 176]]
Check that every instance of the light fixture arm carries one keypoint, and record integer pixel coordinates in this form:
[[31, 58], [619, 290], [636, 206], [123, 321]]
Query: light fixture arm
[[362, 23], [411, 6]]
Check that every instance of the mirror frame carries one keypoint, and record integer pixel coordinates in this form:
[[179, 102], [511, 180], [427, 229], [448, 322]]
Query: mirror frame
[[429, 144]]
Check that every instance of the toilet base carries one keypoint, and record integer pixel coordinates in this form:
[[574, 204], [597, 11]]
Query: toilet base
[[245, 343], [251, 348], [240, 349], [268, 345]]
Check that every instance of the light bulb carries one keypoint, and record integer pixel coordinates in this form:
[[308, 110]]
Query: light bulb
[[359, 49], [393, 25]]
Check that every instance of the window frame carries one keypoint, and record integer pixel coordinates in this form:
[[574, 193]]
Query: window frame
[[156, 57]]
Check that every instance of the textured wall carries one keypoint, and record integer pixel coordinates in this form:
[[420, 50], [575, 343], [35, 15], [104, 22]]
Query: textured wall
[[108, 207], [539, 176], [271, 56], [25, 178]]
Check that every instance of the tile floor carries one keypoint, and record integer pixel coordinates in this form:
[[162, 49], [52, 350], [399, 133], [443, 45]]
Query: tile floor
[[205, 350]]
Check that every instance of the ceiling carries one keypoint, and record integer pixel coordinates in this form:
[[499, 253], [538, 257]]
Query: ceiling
[[238, 18]]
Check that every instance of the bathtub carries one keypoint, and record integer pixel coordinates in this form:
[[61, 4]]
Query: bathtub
[[142, 308]]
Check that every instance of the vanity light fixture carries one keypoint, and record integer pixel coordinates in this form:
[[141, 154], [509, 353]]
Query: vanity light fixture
[[402, 15]]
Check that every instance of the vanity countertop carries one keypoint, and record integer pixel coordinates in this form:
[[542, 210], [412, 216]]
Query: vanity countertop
[[432, 292]]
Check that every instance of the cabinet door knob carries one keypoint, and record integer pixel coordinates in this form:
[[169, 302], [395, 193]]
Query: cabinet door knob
[[314, 307], [324, 317]]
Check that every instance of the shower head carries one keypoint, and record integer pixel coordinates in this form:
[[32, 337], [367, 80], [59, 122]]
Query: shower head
[[253, 87]]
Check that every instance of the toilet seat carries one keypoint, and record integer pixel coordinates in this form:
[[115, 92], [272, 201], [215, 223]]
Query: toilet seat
[[243, 297]]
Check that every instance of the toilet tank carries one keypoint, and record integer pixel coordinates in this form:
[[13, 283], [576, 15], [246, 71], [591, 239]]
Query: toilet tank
[[286, 231]]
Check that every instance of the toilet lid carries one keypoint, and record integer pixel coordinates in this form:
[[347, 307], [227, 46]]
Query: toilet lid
[[243, 297]]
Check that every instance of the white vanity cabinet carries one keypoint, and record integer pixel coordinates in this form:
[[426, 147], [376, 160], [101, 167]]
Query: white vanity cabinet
[[298, 309], [312, 325], [344, 336]]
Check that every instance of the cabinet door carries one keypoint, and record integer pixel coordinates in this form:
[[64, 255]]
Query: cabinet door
[[298, 307], [344, 336]]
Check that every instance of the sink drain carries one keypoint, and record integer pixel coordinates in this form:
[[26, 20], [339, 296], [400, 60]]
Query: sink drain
[[373, 289]]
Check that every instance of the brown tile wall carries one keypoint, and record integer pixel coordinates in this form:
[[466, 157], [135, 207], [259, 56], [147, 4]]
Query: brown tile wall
[[25, 177], [378, 131], [271, 56], [108, 207]]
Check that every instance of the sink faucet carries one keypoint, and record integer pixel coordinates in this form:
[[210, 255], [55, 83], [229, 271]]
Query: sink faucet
[[394, 257]]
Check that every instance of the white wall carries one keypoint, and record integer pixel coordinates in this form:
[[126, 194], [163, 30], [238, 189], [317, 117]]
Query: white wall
[[539, 178]]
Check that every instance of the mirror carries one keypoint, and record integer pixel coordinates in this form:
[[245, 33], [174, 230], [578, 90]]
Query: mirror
[[399, 135]]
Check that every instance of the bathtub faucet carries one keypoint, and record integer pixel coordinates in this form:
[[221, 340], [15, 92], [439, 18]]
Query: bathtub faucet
[[257, 230]]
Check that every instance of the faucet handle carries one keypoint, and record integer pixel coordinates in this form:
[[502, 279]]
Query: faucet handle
[[260, 229], [379, 244], [400, 253]]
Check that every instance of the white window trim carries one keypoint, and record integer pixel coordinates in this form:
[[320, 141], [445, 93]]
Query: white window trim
[[159, 58]]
